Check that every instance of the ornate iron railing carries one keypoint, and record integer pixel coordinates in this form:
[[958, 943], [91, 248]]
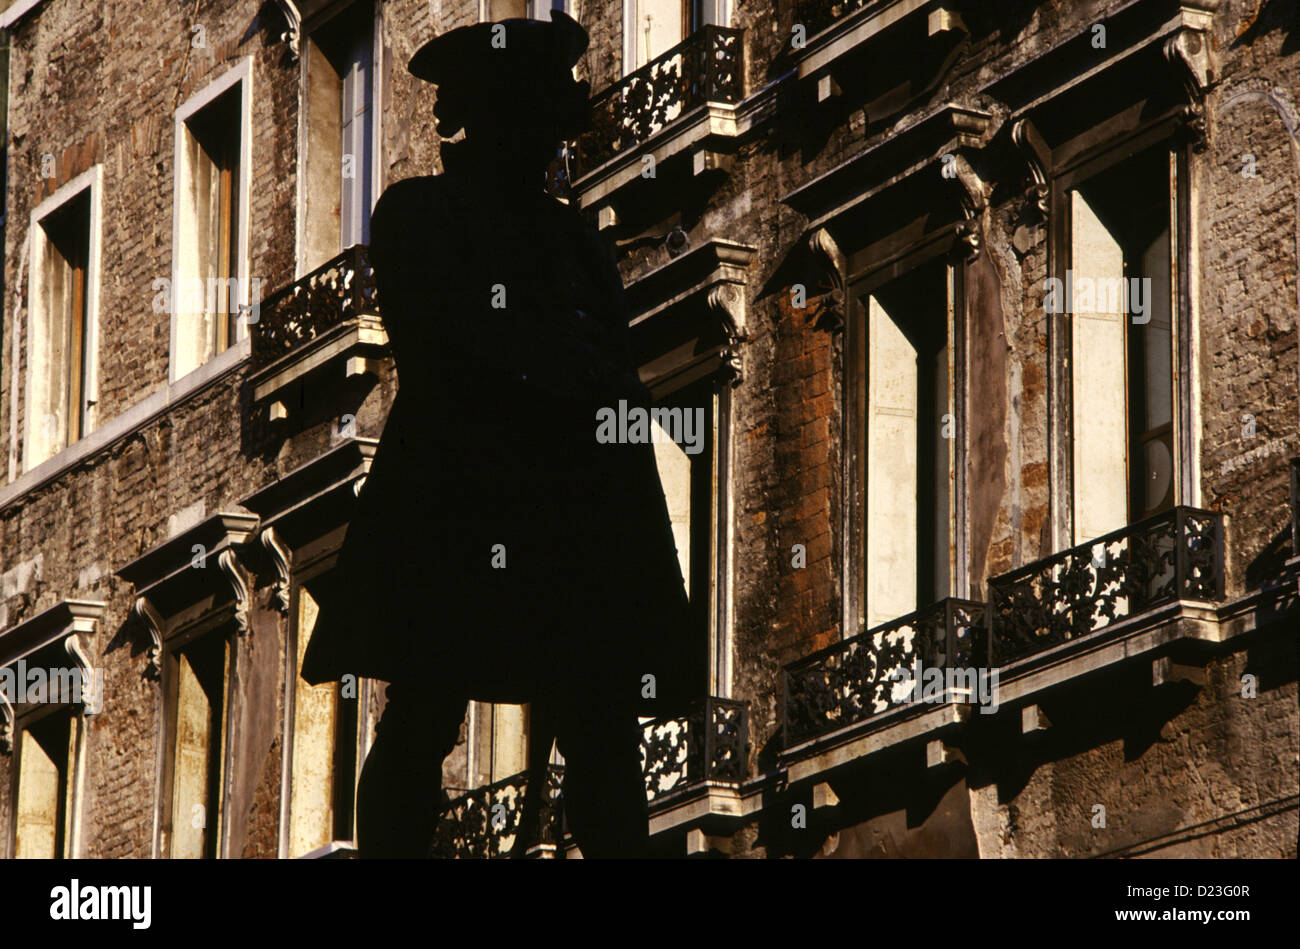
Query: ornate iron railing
[[483, 822], [1295, 506], [1077, 592], [709, 743], [338, 290], [816, 15], [705, 67], [874, 671]]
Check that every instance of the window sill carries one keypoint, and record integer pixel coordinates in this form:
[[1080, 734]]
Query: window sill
[[130, 421]]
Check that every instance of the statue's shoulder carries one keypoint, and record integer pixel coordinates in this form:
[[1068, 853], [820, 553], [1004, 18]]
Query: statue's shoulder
[[412, 212]]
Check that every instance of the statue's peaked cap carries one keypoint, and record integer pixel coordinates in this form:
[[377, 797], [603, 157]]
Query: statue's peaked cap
[[468, 52]]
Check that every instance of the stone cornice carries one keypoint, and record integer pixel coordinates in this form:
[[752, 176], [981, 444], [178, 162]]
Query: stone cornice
[[58, 622], [697, 298]]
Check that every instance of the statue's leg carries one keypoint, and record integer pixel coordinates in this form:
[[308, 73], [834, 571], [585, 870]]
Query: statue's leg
[[604, 791], [400, 791]]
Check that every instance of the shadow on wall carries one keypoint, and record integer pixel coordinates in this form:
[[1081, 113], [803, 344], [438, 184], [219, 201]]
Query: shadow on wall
[[1272, 15]]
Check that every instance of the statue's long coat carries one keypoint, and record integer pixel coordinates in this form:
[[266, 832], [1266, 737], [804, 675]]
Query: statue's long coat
[[509, 331]]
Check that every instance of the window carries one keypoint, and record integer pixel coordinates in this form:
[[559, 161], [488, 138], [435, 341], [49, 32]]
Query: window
[[499, 746], [61, 379], [323, 772], [210, 282], [902, 350], [652, 27], [687, 461], [339, 161], [1122, 264], [519, 9], [46, 752], [199, 683]]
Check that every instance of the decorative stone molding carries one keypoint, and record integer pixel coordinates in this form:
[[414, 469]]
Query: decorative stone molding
[[830, 264], [939, 146], [178, 574], [59, 626], [291, 33], [282, 559], [696, 298], [239, 583], [1025, 138], [727, 303], [6, 726], [153, 625]]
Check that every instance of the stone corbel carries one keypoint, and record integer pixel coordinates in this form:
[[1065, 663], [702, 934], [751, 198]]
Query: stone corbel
[[1188, 52], [727, 302], [292, 32], [92, 698], [831, 266], [974, 198], [282, 559], [153, 625], [230, 566], [1037, 195], [6, 726]]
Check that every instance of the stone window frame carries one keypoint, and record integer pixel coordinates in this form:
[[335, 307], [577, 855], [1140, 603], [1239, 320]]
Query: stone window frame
[[1185, 393], [217, 627], [299, 577], [62, 625], [304, 264], [700, 294], [303, 516], [713, 13], [179, 597], [90, 181], [879, 188], [239, 74], [861, 277]]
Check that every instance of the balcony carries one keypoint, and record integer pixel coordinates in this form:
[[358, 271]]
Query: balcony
[[483, 823], [861, 677], [1083, 591], [689, 756], [325, 323], [708, 744], [705, 69]]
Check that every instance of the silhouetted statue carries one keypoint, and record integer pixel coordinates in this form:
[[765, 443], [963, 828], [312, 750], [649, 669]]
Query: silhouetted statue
[[498, 552]]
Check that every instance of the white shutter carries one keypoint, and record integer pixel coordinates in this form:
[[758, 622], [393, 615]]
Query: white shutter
[[1100, 397], [354, 224], [891, 526]]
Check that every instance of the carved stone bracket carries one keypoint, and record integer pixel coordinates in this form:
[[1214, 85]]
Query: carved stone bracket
[[1189, 52], [973, 194], [235, 573], [92, 699], [282, 559], [291, 27], [153, 625], [1038, 192], [6, 726], [831, 265], [725, 300]]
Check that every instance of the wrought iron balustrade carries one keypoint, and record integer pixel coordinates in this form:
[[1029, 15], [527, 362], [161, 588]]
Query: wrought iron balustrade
[[874, 671], [1077, 592], [337, 291], [705, 67], [706, 744], [816, 15], [483, 823]]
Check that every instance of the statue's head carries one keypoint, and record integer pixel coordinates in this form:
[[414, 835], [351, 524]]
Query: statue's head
[[509, 85]]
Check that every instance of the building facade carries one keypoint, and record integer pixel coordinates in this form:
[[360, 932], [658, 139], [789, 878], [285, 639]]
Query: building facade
[[973, 327]]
